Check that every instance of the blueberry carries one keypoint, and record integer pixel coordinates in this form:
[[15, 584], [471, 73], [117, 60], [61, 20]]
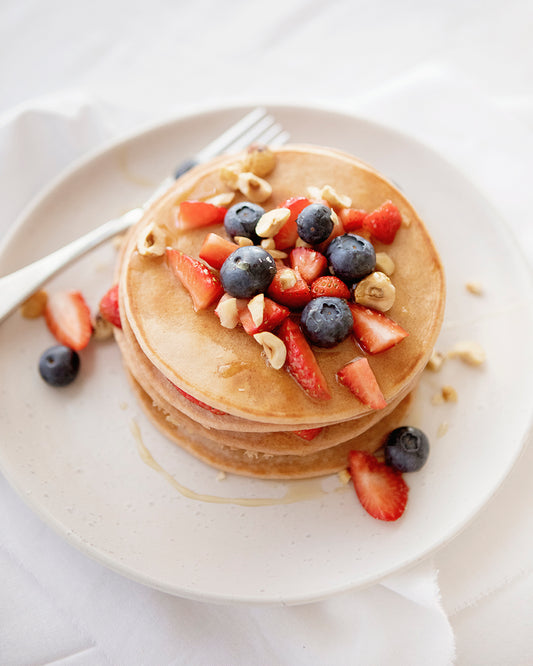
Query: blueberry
[[406, 449], [326, 321], [247, 271], [241, 220], [351, 257], [314, 223], [59, 365]]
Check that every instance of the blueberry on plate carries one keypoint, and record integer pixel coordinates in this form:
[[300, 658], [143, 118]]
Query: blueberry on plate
[[351, 257], [406, 449], [247, 271], [314, 223], [326, 321], [242, 218], [59, 365]]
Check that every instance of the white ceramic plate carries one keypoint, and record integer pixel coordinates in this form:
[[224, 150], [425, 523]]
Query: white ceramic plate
[[72, 456]]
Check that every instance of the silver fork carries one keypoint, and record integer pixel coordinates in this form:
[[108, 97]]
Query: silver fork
[[15, 288]]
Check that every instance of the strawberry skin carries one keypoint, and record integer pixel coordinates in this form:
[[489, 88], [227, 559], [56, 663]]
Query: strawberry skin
[[381, 489], [360, 379], [201, 283], [329, 285], [109, 307], [301, 362], [308, 434], [273, 315], [310, 263], [374, 331], [68, 318], [295, 297], [215, 250], [352, 218], [384, 222], [288, 234], [195, 401], [194, 214]]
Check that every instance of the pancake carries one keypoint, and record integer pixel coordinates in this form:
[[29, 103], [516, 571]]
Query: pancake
[[193, 351]]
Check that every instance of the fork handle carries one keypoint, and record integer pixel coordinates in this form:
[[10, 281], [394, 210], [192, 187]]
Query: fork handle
[[16, 287]]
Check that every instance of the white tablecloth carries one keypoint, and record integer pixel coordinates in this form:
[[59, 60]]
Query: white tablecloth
[[456, 75]]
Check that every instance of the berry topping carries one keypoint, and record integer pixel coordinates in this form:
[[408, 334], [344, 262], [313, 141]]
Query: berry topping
[[406, 449], [201, 404], [352, 218], [308, 434], [201, 283], [289, 289], [59, 365], [273, 315], [310, 263], [329, 285], [193, 214], [215, 250], [301, 362], [108, 307], [242, 218], [68, 318], [314, 223], [381, 490], [326, 321], [384, 222], [351, 257], [374, 331], [288, 234], [360, 379], [247, 271]]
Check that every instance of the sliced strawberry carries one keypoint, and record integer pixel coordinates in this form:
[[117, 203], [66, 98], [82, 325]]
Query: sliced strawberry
[[109, 306], [68, 318], [195, 401], [374, 331], [201, 283], [329, 285], [384, 222], [301, 362], [308, 434], [295, 296], [273, 315], [352, 218], [338, 230], [381, 489], [193, 214], [215, 250], [360, 379], [288, 234], [310, 263]]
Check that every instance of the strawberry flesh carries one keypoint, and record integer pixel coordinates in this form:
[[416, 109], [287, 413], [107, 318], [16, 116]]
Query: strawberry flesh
[[352, 218], [194, 214], [374, 331], [308, 434], [215, 250], [199, 403], [68, 318], [381, 489], [288, 234], [310, 263], [329, 285], [109, 307], [361, 380], [295, 297], [384, 222], [201, 283], [273, 315]]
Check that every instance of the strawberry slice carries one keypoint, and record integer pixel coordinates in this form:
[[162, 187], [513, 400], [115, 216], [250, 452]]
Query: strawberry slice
[[352, 218], [360, 379], [195, 401], [295, 296], [201, 283], [215, 250], [310, 263], [109, 307], [384, 222], [381, 489], [302, 363], [374, 331], [288, 234], [68, 318], [194, 214], [329, 285], [308, 434], [273, 315]]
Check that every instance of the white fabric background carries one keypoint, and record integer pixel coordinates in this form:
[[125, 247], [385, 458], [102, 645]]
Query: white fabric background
[[457, 75]]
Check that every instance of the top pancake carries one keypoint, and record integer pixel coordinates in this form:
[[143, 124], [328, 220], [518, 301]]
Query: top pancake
[[225, 368]]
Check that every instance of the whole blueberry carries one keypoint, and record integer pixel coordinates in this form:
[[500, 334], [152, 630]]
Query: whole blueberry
[[59, 365], [314, 223], [247, 271], [242, 218], [406, 449], [351, 257], [326, 321]]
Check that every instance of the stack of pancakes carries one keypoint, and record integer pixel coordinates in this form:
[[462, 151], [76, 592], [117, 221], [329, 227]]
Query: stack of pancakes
[[243, 413]]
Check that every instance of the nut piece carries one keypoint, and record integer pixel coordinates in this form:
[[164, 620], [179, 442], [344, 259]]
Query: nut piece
[[469, 352], [222, 199], [334, 199], [268, 244], [274, 348], [255, 189], [227, 311], [153, 241], [102, 329], [475, 288], [287, 278], [344, 476], [243, 240], [259, 160], [384, 263], [435, 361], [229, 175], [256, 306], [315, 193], [277, 254], [449, 393], [375, 291], [271, 222], [35, 305]]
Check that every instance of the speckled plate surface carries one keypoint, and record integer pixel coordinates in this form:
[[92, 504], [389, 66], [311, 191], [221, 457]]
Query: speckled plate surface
[[88, 462]]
